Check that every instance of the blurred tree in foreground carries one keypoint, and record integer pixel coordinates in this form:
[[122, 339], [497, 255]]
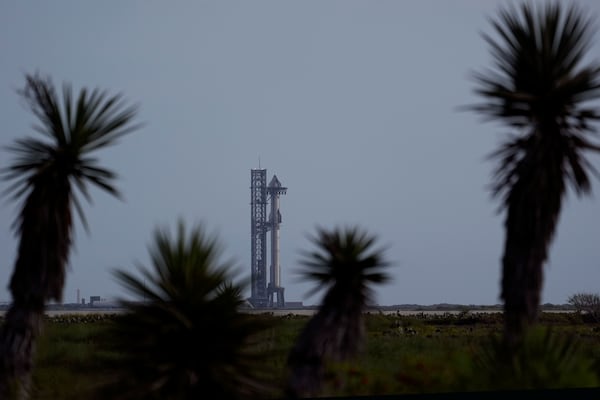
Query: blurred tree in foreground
[[546, 359], [185, 337], [345, 264], [540, 87], [47, 172]]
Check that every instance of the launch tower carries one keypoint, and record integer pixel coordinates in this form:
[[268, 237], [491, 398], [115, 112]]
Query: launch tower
[[265, 295]]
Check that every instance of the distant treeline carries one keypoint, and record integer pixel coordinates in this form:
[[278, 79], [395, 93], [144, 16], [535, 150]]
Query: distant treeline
[[463, 307]]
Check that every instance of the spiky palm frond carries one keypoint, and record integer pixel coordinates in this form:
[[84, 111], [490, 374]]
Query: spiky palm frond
[[43, 175], [71, 130], [545, 359], [185, 336], [541, 88], [346, 265], [47, 172]]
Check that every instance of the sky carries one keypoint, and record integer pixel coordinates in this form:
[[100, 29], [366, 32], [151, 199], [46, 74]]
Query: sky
[[354, 105]]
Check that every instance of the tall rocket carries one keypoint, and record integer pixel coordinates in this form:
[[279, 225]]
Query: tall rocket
[[275, 190], [271, 294]]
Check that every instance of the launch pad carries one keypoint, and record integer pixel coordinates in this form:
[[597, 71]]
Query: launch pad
[[263, 294]]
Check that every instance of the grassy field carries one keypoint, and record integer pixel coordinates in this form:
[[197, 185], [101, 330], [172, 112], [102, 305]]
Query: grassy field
[[404, 354]]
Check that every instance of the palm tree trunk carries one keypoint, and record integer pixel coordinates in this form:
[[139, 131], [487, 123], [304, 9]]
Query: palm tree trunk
[[521, 289], [530, 224], [22, 325], [39, 275], [306, 360], [336, 332]]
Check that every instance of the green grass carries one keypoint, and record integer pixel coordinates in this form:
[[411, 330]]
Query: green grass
[[69, 357], [404, 354]]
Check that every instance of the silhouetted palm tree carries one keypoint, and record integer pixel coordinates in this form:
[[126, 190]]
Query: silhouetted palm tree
[[345, 264], [185, 337], [47, 173], [539, 87]]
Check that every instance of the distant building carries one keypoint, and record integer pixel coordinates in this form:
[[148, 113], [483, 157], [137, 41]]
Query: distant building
[[293, 304]]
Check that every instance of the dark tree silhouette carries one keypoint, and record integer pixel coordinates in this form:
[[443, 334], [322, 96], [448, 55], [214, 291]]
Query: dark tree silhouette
[[540, 86], [345, 264], [184, 335], [46, 173]]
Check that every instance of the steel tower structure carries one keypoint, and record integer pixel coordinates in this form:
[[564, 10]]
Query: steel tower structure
[[263, 295], [258, 220]]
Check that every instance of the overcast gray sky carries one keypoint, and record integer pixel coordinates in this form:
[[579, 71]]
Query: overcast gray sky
[[353, 104]]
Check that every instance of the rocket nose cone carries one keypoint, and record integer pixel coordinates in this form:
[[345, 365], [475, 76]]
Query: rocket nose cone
[[275, 182]]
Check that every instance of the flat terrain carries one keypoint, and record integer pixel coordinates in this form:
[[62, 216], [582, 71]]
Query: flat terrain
[[416, 353], [386, 310]]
